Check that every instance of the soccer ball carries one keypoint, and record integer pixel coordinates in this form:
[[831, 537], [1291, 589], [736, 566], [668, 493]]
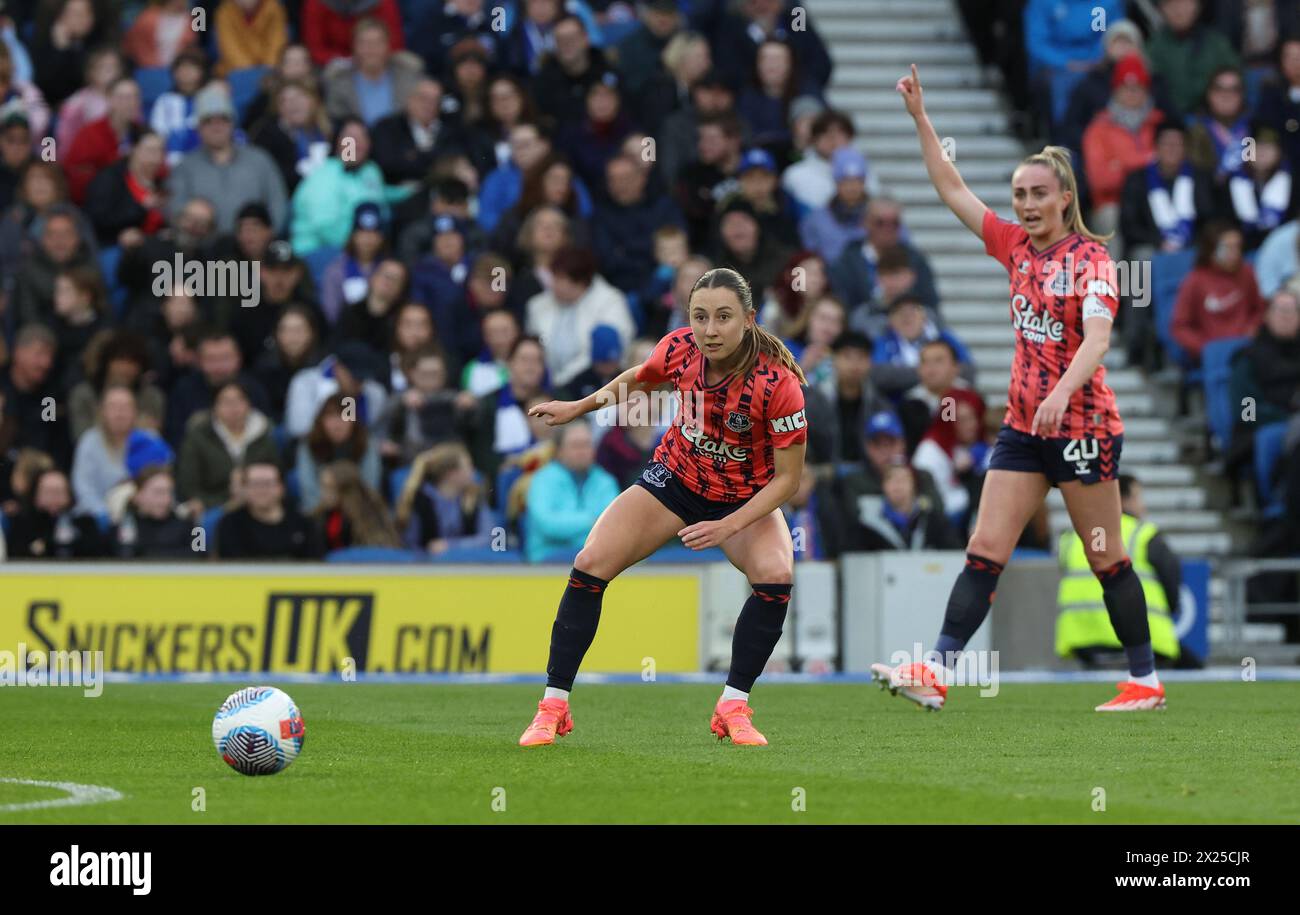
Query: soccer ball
[[258, 730]]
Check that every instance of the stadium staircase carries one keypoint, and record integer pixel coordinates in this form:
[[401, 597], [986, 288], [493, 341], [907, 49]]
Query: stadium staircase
[[873, 42]]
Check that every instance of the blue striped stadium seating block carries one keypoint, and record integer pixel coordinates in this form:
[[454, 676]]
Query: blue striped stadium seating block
[[375, 554], [153, 82], [1270, 443], [397, 481], [1216, 368], [244, 86], [480, 554], [1167, 273]]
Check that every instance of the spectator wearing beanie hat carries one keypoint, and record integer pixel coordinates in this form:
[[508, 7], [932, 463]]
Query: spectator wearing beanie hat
[[1120, 139], [830, 229], [759, 182], [223, 172], [1093, 91]]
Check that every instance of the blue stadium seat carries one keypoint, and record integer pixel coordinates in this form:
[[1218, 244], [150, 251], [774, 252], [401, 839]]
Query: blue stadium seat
[[153, 82], [292, 487], [108, 261], [396, 481], [505, 479], [283, 441], [211, 518], [480, 554], [375, 554], [1216, 367], [845, 468], [1063, 83], [317, 262], [1270, 441], [1167, 274], [676, 552], [562, 557], [244, 86]]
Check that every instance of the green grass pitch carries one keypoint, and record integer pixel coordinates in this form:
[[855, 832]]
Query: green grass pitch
[[380, 753]]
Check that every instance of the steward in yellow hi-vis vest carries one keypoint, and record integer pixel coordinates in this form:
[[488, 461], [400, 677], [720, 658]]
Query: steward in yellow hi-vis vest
[[1082, 623]]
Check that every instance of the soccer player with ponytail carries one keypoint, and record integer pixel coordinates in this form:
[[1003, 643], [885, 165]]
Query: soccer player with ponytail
[[1061, 428], [732, 457]]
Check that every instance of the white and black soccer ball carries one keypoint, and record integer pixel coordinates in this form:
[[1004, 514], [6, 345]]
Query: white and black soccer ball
[[258, 730]]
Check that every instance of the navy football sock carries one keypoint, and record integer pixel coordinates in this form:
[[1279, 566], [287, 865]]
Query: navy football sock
[[757, 631], [574, 629], [1126, 604], [968, 605]]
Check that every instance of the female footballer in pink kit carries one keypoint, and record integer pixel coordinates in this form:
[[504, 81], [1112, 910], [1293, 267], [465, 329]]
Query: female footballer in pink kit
[[718, 478], [1061, 428]]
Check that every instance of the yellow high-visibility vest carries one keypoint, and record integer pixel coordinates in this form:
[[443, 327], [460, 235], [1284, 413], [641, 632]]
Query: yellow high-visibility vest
[[1082, 620]]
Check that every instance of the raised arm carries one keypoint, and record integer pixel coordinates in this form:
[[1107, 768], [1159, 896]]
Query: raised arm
[[943, 173], [559, 412]]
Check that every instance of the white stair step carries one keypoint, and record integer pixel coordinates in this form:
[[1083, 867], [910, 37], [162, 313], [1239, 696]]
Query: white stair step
[[937, 76], [913, 170], [992, 386], [981, 335], [992, 289], [974, 265], [911, 9], [968, 312], [1169, 498], [938, 102], [1181, 521], [1189, 545], [872, 31], [922, 193], [1001, 357], [1150, 452], [1154, 476], [947, 124], [1001, 147], [1145, 427], [935, 216], [903, 54], [996, 380]]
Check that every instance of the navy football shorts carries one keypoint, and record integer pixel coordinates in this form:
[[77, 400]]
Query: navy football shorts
[[1087, 460], [683, 502]]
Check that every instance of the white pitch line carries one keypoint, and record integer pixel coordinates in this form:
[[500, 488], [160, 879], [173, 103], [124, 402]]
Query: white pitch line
[[78, 795]]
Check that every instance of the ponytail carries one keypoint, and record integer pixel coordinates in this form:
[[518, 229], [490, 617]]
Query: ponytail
[[757, 339], [776, 349], [1057, 158]]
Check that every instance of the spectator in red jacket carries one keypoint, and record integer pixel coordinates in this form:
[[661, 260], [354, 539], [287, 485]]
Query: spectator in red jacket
[[161, 31], [327, 25], [1220, 297], [1120, 139], [101, 143]]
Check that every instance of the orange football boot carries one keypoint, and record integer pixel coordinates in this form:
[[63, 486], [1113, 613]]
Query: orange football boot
[[552, 720], [1134, 697], [732, 719], [915, 681]]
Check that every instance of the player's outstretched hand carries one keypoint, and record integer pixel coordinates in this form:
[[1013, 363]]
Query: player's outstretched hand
[[704, 534], [558, 412], [1050, 413], [909, 87]]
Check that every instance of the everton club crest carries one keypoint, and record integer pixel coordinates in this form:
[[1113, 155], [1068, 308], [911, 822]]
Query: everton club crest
[[737, 422]]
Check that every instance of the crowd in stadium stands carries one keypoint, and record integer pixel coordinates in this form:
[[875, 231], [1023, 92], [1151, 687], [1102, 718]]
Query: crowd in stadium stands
[[459, 209], [1187, 127]]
